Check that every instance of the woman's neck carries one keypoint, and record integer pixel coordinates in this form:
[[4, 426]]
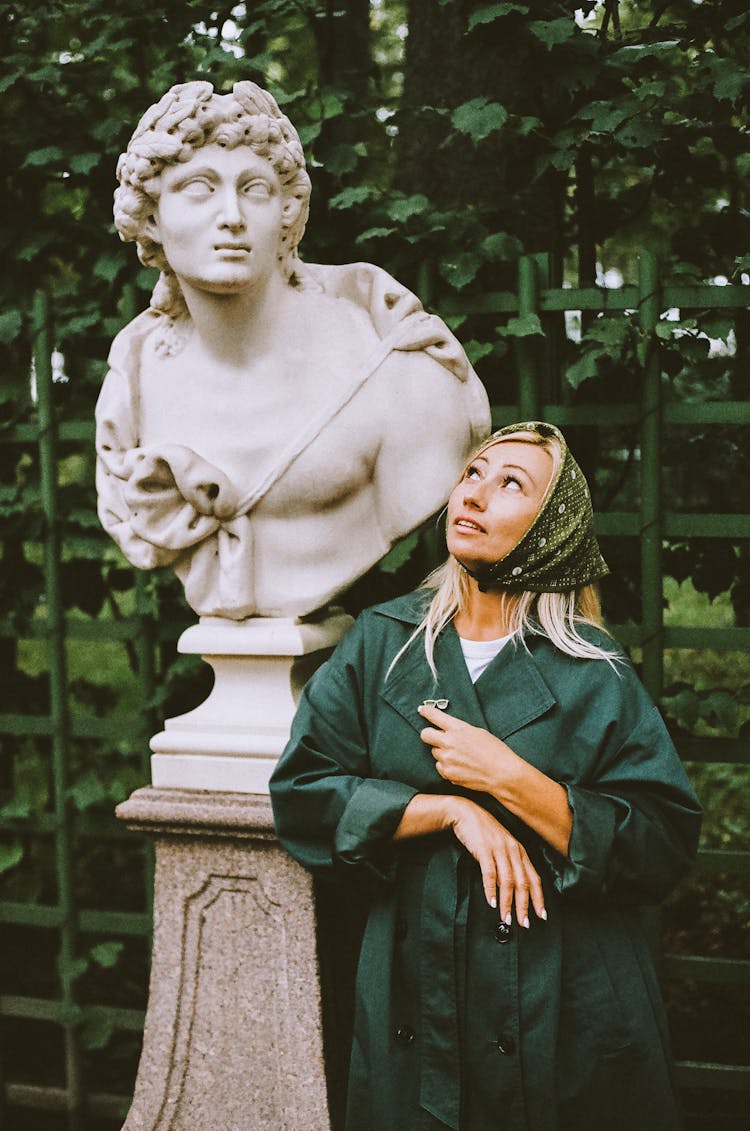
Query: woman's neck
[[485, 616]]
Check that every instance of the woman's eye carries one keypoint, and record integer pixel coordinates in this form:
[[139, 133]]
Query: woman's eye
[[471, 472], [512, 483]]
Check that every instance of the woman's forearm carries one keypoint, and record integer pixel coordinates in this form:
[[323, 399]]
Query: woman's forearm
[[538, 800], [426, 813]]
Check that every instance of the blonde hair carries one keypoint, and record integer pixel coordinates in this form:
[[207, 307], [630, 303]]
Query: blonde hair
[[558, 616]]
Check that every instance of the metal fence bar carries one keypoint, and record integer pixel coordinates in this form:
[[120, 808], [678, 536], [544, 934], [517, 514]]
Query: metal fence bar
[[529, 392], [58, 705], [651, 509]]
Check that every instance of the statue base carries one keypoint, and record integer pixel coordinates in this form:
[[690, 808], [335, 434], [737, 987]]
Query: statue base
[[233, 1036], [231, 742]]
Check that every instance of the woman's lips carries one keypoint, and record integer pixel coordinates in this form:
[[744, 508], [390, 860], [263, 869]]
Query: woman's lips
[[468, 524]]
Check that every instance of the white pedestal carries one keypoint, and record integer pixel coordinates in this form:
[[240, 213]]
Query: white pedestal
[[232, 741]]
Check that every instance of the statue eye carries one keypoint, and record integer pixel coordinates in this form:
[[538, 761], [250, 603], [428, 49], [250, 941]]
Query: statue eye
[[259, 189], [198, 187]]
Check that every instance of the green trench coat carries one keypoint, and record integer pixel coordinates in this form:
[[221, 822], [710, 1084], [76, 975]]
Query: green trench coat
[[460, 1022]]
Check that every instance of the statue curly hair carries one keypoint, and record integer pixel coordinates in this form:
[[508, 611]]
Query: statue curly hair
[[189, 116]]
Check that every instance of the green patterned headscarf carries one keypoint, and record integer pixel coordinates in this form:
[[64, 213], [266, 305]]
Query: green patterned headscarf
[[559, 551]]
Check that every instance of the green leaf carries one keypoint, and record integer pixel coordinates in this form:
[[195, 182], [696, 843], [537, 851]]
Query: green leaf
[[331, 105], [96, 1032], [50, 155], [479, 118], [634, 52], [84, 162], [342, 159], [106, 954], [374, 234], [475, 351], [402, 208], [522, 326], [358, 194], [500, 245], [88, 790], [399, 554], [108, 266], [10, 325], [493, 12], [728, 79], [10, 856], [638, 133], [553, 32], [528, 125], [605, 117], [71, 969], [461, 268], [584, 368]]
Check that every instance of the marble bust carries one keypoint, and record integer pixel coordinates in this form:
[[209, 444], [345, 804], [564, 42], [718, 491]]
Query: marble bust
[[268, 428]]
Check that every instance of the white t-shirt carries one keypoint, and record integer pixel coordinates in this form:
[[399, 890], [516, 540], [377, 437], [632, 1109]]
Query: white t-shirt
[[479, 654]]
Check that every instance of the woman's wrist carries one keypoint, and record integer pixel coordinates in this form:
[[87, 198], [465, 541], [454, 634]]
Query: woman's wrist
[[429, 813]]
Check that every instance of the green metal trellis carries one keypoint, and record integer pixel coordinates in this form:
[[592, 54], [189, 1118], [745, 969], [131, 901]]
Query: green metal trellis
[[651, 523]]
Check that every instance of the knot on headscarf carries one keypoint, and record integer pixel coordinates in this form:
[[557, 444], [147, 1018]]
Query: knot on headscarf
[[559, 551]]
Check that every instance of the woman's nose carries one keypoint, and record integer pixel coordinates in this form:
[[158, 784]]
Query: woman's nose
[[474, 495]]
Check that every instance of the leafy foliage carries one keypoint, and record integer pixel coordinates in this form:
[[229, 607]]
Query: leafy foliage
[[620, 129]]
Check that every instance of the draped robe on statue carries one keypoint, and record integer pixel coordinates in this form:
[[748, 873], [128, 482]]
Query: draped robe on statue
[[414, 398]]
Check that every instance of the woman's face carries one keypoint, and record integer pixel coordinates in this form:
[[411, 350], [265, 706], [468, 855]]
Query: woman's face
[[496, 500]]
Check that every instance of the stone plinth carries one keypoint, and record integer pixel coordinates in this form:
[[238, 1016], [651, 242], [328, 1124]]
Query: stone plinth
[[231, 742], [233, 1038]]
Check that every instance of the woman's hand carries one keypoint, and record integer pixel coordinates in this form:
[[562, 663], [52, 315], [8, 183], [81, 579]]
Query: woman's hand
[[503, 861], [466, 755]]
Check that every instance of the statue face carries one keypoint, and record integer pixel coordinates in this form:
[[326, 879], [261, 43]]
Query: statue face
[[219, 219]]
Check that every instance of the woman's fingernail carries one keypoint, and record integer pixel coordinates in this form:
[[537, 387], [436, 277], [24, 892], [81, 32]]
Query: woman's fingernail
[[493, 903], [543, 914], [508, 919], [526, 922]]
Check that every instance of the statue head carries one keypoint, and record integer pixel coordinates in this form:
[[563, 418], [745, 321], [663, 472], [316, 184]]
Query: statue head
[[188, 117]]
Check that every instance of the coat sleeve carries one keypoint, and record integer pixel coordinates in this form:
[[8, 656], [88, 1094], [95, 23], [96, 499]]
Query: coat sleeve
[[636, 821], [329, 809]]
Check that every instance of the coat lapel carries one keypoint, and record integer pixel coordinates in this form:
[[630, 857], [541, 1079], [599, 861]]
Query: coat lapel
[[508, 695], [511, 691], [411, 682]]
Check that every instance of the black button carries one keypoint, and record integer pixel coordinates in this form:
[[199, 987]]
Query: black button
[[502, 933], [506, 1045], [401, 929], [404, 1034]]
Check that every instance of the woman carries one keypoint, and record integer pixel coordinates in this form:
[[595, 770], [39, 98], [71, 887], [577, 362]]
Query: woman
[[483, 748]]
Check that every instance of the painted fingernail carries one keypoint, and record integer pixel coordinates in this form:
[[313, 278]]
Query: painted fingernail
[[543, 914], [508, 919], [493, 903], [526, 923]]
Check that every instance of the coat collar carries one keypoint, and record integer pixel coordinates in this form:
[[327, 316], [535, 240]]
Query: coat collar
[[508, 695]]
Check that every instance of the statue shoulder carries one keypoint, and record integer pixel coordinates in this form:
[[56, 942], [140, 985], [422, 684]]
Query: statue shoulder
[[127, 347]]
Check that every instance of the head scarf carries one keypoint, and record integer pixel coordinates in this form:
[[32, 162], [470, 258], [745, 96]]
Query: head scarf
[[559, 551]]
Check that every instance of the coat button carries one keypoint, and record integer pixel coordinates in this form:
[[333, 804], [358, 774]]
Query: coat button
[[502, 933], [401, 929], [505, 1045], [404, 1034]]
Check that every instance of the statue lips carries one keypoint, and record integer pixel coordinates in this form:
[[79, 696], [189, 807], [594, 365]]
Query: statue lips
[[233, 248]]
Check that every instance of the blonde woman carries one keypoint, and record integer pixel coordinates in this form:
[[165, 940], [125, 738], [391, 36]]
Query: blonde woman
[[483, 749]]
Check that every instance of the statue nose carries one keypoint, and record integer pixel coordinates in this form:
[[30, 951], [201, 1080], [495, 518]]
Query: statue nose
[[231, 213]]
